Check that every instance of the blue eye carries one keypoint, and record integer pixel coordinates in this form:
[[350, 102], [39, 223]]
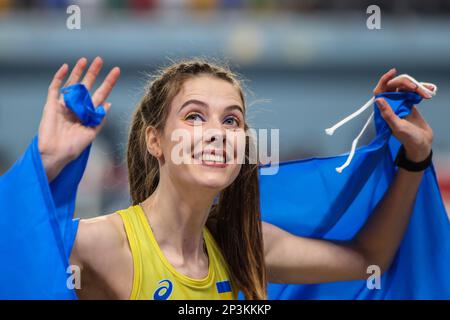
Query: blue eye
[[236, 122], [194, 117]]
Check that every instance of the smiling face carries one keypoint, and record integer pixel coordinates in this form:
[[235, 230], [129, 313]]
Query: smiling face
[[185, 97], [206, 115]]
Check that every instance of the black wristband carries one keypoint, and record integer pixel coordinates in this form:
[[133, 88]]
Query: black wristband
[[403, 162]]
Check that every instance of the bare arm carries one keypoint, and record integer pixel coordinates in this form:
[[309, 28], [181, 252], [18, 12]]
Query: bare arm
[[292, 259], [102, 253]]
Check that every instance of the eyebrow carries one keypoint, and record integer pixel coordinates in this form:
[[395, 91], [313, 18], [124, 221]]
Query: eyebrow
[[205, 105]]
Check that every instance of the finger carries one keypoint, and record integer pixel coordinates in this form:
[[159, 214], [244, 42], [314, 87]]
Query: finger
[[76, 73], [416, 118], [409, 85], [106, 106], [401, 82], [102, 93], [423, 93], [92, 72], [402, 89], [429, 86], [388, 114], [53, 89], [380, 87]]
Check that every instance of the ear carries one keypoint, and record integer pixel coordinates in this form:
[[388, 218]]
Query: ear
[[153, 142]]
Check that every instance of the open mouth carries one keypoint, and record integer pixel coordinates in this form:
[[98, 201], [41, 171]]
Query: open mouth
[[214, 158]]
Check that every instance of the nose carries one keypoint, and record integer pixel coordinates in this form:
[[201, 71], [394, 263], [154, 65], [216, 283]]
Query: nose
[[215, 133]]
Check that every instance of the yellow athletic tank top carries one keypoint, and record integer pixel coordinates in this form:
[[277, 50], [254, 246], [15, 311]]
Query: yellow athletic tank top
[[155, 278]]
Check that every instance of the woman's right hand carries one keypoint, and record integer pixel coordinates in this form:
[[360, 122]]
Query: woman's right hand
[[62, 137]]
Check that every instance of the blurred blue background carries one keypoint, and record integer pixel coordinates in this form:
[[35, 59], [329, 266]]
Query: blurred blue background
[[306, 65]]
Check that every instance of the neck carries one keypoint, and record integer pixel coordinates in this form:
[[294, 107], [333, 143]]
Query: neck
[[178, 216]]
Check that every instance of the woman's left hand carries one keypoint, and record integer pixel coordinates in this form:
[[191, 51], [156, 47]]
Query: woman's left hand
[[412, 131]]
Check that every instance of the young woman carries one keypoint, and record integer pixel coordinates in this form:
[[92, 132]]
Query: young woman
[[175, 241]]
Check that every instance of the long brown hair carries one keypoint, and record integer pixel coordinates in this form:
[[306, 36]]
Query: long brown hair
[[235, 220]]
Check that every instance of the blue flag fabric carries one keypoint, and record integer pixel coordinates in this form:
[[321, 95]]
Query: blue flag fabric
[[309, 198], [306, 197], [78, 99], [37, 229]]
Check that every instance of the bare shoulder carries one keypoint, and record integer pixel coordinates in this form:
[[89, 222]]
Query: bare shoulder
[[98, 236], [102, 253]]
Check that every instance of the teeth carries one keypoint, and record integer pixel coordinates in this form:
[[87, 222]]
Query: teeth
[[213, 157]]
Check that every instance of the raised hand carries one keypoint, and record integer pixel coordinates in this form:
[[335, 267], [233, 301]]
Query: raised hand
[[412, 131], [62, 137]]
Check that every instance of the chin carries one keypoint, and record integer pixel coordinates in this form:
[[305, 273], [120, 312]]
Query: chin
[[212, 181], [217, 179]]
